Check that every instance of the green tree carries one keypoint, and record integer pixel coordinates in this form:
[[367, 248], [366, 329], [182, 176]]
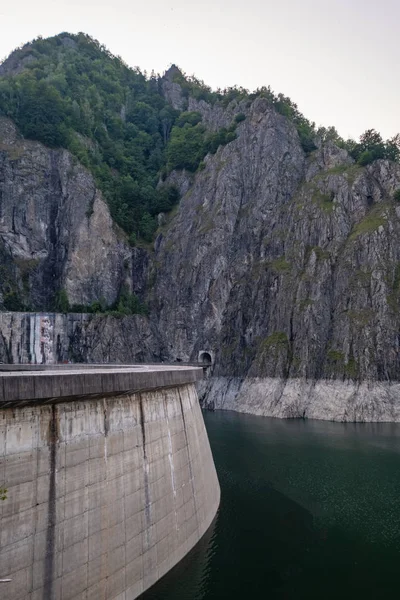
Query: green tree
[[240, 117], [117, 123], [392, 151], [147, 227], [192, 118], [369, 148], [129, 304], [185, 149], [62, 303]]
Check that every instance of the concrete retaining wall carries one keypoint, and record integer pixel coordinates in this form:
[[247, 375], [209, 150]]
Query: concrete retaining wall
[[104, 495]]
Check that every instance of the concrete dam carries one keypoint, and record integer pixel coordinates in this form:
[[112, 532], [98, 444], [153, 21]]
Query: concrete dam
[[109, 479]]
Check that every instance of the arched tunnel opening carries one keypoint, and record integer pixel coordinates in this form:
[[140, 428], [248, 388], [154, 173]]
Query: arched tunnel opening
[[205, 359]]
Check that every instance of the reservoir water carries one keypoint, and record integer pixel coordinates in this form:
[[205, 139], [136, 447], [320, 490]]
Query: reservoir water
[[309, 509]]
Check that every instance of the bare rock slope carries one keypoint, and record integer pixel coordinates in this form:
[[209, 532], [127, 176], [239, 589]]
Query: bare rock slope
[[56, 232], [288, 268], [285, 265]]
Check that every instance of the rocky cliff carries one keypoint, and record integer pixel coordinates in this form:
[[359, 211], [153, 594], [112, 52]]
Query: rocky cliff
[[288, 268], [47, 338], [56, 232], [284, 264]]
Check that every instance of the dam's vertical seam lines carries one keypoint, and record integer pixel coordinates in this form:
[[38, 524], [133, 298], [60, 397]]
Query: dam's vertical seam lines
[[189, 456], [87, 509], [171, 459], [37, 444], [51, 519], [106, 431], [128, 400], [64, 470], [147, 510], [4, 471]]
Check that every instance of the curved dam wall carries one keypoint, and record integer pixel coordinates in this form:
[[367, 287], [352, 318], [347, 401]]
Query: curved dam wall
[[107, 492]]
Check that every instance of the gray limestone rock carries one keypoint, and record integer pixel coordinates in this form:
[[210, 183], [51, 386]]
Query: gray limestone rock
[[48, 338], [288, 268], [285, 266], [55, 227], [172, 91]]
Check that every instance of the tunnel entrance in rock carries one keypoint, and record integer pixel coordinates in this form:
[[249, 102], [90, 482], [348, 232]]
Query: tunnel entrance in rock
[[205, 358]]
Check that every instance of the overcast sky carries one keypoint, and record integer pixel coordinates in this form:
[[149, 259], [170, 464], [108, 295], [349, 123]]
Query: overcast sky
[[337, 59]]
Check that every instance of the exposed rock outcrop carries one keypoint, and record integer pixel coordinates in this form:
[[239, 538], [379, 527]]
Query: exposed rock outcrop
[[294, 398], [55, 228], [285, 265], [47, 338], [288, 268], [172, 91]]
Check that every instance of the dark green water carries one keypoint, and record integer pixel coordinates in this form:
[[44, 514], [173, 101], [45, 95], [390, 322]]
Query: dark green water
[[309, 509]]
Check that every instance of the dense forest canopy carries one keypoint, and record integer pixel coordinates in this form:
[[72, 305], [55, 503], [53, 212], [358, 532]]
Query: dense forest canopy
[[78, 96], [73, 93]]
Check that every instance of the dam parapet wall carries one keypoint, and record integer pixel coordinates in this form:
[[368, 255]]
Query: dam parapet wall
[[110, 480]]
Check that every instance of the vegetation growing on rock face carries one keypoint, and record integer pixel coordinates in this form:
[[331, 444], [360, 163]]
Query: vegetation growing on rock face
[[126, 304], [77, 95], [280, 265], [324, 201], [240, 117], [335, 355], [337, 360], [371, 222], [73, 93], [190, 142], [129, 304], [62, 304], [275, 340]]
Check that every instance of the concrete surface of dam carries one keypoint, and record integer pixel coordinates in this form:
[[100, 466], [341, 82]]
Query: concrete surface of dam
[[109, 479]]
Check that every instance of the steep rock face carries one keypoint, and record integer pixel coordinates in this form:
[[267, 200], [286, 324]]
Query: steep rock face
[[17, 62], [216, 116], [47, 338], [287, 268], [219, 230], [327, 399], [172, 91], [108, 339], [55, 226]]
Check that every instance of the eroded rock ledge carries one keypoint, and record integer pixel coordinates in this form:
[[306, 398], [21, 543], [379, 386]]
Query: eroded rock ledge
[[330, 400]]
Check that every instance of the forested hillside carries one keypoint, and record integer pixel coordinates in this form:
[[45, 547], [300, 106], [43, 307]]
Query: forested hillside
[[70, 91], [73, 93]]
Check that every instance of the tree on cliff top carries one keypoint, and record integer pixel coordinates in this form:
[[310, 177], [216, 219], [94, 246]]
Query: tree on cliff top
[[70, 91], [74, 93], [372, 147]]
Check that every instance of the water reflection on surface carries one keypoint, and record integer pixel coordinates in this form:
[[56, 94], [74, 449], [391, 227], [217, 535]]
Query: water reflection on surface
[[309, 509]]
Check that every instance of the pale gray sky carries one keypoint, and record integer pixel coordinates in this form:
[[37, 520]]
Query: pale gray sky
[[338, 59]]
